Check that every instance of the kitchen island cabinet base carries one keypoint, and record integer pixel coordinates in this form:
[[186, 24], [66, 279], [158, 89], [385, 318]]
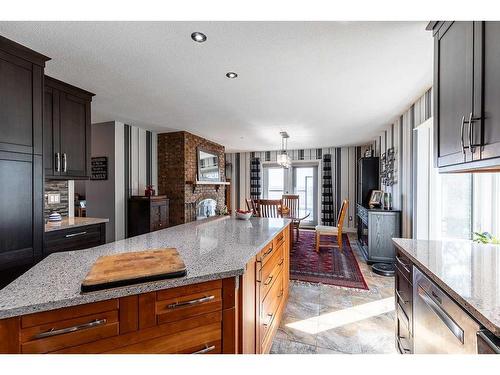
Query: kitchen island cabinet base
[[233, 315]]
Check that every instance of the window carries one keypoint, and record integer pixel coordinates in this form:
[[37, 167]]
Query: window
[[453, 206], [274, 181]]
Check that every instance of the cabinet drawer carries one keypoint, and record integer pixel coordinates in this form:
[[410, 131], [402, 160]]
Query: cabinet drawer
[[185, 302], [74, 239], [200, 340], [49, 337], [404, 265], [270, 271], [404, 340], [270, 305], [279, 239], [265, 254], [404, 294]]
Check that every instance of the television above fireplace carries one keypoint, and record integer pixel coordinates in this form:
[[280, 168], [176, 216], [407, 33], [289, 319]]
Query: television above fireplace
[[208, 165]]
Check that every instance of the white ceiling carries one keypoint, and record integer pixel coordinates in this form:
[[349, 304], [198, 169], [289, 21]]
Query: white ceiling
[[325, 83]]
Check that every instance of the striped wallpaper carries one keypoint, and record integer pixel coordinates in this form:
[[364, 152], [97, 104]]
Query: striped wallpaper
[[401, 137], [343, 171]]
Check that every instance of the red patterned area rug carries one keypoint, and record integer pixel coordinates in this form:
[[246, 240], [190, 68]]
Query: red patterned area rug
[[329, 266]]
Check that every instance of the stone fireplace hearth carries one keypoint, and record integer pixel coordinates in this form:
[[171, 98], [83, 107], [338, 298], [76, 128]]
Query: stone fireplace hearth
[[206, 208]]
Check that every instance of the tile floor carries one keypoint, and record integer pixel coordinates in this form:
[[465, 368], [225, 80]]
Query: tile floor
[[326, 319]]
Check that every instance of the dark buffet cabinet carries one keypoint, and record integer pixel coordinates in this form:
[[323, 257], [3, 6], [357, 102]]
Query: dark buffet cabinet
[[147, 214], [66, 125], [466, 95], [76, 238], [21, 147]]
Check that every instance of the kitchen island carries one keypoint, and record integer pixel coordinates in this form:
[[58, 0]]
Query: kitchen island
[[230, 300], [463, 294]]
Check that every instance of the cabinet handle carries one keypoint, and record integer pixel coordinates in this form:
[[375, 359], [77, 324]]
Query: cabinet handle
[[270, 316], [462, 135], [268, 281], [205, 350], [472, 146], [58, 162], [55, 332], [269, 251], [281, 262], [400, 344], [65, 162], [75, 234], [191, 302], [401, 298], [405, 266]]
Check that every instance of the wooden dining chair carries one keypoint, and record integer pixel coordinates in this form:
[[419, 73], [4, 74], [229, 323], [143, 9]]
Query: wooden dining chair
[[325, 230], [251, 206], [291, 201], [269, 207]]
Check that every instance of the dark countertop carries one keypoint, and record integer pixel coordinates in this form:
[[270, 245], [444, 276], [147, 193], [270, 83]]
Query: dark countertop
[[467, 271]]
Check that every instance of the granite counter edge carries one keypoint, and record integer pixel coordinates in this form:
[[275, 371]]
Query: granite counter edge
[[474, 312]]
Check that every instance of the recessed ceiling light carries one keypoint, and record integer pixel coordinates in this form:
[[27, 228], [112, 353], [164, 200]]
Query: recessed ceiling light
[[198, 37], [231, 75]]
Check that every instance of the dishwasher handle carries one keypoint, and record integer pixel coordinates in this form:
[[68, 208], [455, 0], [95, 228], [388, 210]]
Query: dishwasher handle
[[489, 342], [445, 318]]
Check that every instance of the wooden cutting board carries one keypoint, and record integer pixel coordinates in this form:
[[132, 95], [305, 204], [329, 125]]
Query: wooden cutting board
[[133, 268]]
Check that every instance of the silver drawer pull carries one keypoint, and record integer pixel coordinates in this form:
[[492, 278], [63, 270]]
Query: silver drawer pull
[[75, 234], [403, 264], [207, 349], [268, 281], [401, 298], [269, 251], [191, 302], [270, 316], [55, 332]]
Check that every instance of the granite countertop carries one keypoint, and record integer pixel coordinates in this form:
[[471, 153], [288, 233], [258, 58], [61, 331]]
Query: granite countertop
[[467, 271], [73, 222], [211, 249]]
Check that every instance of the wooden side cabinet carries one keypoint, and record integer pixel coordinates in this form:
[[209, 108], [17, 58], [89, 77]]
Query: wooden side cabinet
[[376, 228], [147, 214], [67, 127]]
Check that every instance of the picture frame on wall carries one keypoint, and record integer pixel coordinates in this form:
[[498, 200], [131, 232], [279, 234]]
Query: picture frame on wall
[[376, 198]]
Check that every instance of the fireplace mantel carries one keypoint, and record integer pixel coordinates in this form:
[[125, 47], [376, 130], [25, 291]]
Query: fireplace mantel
[[216, 184]]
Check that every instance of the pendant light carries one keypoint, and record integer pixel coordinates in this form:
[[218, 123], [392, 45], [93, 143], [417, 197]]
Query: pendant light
[[283, 158]]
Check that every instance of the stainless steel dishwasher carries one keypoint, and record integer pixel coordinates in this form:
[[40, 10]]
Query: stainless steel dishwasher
[[439, 324]]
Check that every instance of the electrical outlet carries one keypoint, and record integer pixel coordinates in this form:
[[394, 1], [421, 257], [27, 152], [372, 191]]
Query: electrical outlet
[[53, 198]]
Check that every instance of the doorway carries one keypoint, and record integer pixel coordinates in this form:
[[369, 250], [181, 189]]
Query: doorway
[[300, 179]]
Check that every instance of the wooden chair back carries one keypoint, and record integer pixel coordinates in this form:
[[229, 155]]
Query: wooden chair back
[[341, 216], [269, 207], [292, 202]]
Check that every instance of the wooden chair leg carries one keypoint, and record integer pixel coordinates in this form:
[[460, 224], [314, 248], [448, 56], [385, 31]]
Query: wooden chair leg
[[339, 241], [317, 242]]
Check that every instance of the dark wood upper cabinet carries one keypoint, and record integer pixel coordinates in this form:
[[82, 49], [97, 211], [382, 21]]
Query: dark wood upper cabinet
[[487, 133], [67, 129], [21, 146], [453, 81], [21, 90], [466, 95]]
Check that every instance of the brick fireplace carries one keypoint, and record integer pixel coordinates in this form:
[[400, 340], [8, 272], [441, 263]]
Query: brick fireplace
[[177, 165]]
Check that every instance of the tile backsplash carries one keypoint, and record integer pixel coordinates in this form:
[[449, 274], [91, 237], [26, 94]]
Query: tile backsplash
[[60, 187]]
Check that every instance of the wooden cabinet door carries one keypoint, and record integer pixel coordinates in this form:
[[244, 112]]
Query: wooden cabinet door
[[75, 133], [21, 222], [487, 61], [51, 142], [16, 103], [453, 70]]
